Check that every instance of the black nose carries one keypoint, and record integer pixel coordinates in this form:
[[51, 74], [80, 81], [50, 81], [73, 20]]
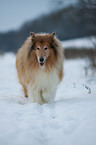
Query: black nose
[[41, 59]]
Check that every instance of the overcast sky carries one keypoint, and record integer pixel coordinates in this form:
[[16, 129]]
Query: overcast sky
[[13, 13]]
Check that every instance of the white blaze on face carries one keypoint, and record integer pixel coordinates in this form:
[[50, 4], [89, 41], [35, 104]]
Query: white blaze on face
[[42, 64], [38, 59]]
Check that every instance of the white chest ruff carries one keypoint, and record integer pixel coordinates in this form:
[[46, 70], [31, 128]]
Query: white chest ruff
[[44, 80], [44, 86]]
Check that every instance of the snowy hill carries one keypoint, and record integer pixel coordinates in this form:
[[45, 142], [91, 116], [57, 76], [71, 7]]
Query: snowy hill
[[70, 120], [80, 43], [80, 47]]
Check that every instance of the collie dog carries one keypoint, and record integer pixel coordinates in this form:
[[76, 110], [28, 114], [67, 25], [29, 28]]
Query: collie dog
[[39, 64]]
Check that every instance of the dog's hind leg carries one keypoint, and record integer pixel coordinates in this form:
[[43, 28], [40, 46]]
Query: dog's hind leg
[[25, 91], [61, 75]]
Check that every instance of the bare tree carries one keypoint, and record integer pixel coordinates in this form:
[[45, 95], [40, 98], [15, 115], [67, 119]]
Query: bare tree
[[59, 4], [90, 8], [94, 52]]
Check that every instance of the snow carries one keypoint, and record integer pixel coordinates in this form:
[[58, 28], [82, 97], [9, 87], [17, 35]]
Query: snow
[[70, 120], [79, 43]]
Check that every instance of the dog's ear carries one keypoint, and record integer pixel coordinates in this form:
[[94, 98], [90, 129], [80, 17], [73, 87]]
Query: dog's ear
[[52, 35], [32, 34], [53, 44]]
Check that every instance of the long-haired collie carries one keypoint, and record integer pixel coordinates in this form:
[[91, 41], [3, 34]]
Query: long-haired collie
[[39, 64]]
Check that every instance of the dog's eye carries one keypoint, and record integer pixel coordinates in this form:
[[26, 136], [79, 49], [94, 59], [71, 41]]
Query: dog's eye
[[46, 48], [38, 48]]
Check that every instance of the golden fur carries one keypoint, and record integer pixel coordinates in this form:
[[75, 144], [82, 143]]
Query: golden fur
[[30, 70]]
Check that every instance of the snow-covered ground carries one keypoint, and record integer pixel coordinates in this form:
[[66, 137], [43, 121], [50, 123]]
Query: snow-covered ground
[[79, 43], [70, 120]]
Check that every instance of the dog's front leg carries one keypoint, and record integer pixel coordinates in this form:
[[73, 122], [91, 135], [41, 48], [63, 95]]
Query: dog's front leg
[[48, 95], [34, 96]]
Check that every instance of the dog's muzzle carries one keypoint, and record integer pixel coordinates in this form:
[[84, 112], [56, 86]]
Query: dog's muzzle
[[41, 61]]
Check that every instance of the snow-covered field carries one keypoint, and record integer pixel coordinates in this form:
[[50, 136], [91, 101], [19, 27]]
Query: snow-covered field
[[80, 43], [70, 120]]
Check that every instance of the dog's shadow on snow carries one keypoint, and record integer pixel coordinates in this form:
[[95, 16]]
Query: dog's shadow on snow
[[74, 100], [21, 100]]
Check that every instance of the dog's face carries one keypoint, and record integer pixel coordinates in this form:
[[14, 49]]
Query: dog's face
[[43, 48], [42, 52]]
